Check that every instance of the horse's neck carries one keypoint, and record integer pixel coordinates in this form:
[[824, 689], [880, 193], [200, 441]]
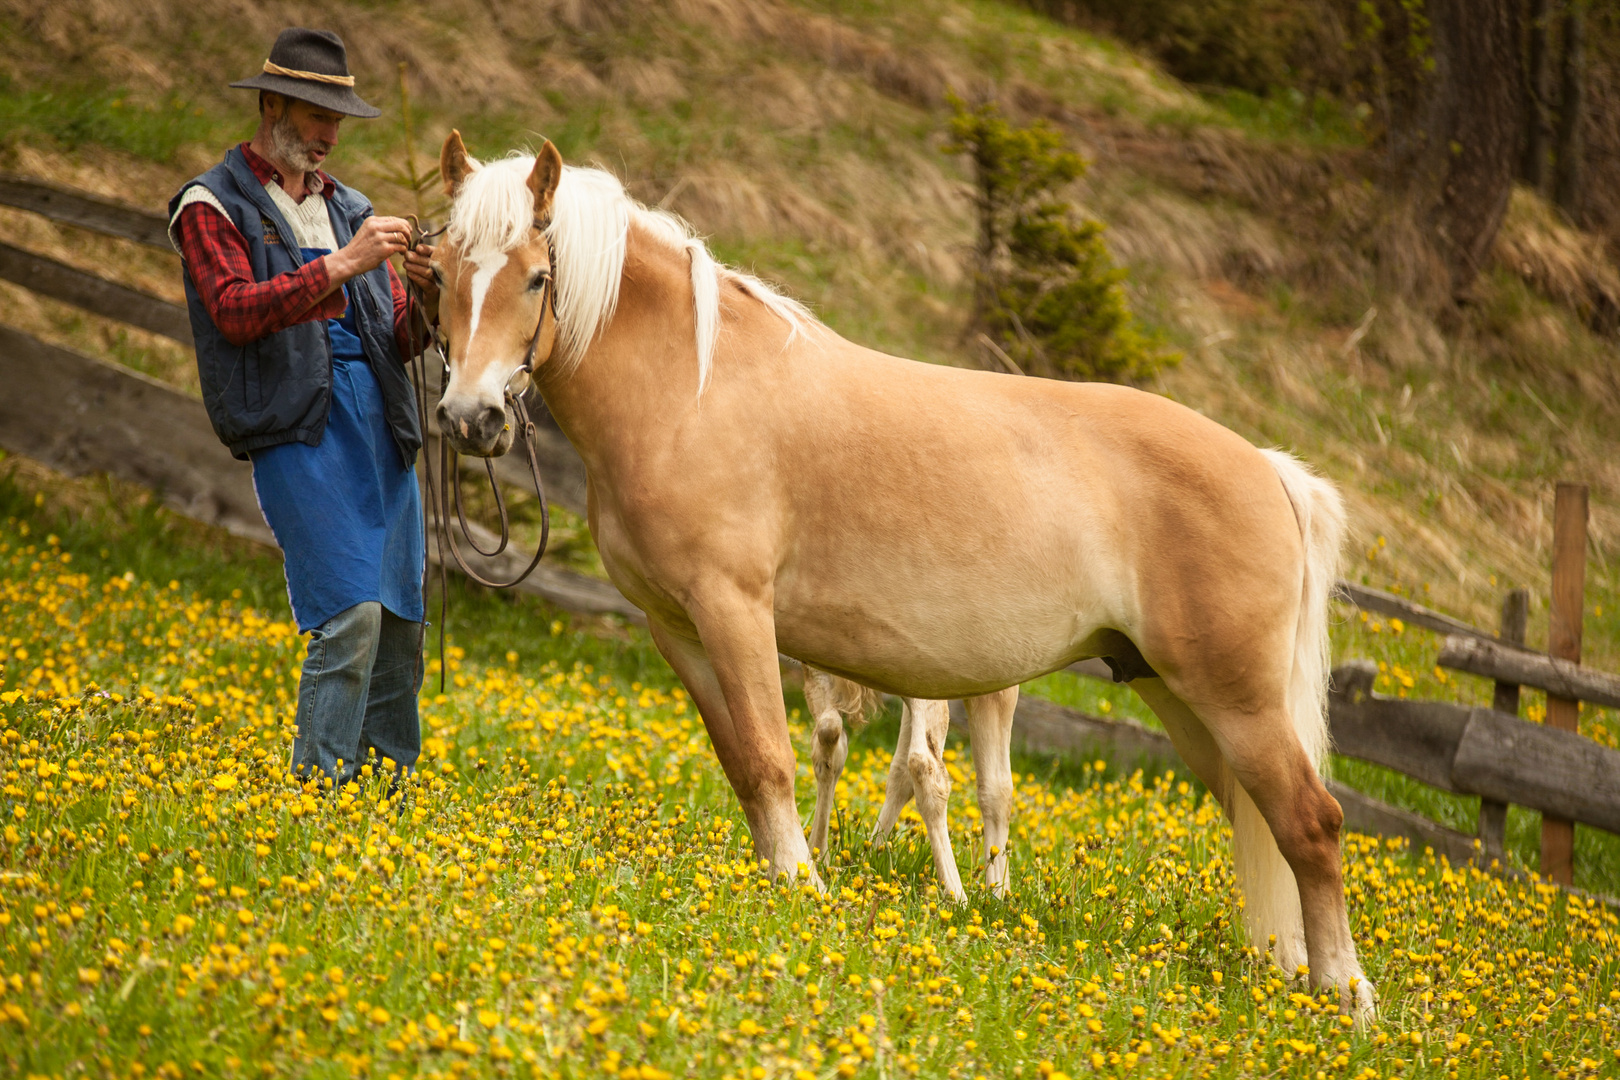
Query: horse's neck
[[639, 376]]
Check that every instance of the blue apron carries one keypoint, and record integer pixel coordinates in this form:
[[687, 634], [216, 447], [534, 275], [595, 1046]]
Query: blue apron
[[347, 513]]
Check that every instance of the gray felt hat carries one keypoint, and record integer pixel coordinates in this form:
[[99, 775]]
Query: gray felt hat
[[313, 66]]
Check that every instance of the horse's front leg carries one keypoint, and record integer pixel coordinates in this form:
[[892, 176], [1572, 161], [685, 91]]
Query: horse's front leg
[[732, 674]]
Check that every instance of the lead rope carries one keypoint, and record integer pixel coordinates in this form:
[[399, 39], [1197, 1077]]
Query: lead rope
[[436, 508]]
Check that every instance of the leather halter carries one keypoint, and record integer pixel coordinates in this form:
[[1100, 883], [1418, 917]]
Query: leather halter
[[445, 489]]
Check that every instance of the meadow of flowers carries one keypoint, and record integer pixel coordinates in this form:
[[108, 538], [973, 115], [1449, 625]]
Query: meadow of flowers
[[566, 887]]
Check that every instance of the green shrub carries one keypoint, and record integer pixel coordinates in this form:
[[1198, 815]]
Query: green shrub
[[1046, 291], [1253, 45]]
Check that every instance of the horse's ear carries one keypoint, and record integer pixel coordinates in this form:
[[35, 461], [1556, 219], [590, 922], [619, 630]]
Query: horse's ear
[[543, 180], [454, 163]]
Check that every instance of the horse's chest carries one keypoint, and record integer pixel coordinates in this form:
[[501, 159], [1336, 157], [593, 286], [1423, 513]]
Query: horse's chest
[[640, 577]]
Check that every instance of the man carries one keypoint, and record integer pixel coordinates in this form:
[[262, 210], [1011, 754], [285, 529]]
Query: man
[[302, 330]]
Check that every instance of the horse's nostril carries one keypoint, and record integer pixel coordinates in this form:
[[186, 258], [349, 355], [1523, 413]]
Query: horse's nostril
[[491, 421]]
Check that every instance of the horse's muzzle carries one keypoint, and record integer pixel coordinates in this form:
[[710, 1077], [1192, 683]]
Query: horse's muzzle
[[478, 431]]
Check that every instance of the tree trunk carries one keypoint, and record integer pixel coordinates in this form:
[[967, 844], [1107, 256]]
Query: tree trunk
[[1567, 186], [1538, 103], [1455, 132]]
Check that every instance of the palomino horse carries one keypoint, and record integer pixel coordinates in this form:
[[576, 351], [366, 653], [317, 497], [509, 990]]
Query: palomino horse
[[918, 769], [758, 483]]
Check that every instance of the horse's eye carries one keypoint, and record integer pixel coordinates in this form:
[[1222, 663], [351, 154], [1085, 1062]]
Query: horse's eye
[[539, 280], [438, 276]]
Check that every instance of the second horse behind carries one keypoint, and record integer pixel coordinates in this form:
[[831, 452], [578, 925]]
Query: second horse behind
[[918, 769]]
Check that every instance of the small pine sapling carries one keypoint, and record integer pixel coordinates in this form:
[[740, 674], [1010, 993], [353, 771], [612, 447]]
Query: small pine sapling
[[1047, 295]]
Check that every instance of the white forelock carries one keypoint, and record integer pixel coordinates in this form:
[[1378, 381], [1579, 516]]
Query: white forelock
[[590, 223]]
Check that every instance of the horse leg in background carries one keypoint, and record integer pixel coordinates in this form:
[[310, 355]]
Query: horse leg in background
[[990, 720], [924, 754], [897, 789], [733, 676], [829, 749]]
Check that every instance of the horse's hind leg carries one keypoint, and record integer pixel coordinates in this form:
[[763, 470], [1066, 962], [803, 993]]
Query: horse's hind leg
[[1191, 738], [925, 760], [1271, 897], [897, 789], [1285, 839], [990, 720], [829, 749]]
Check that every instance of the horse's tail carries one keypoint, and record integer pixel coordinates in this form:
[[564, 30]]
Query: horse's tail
[[1270, 893], [855, 703]]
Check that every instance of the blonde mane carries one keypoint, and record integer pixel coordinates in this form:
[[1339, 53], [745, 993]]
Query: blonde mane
[[590, 224]]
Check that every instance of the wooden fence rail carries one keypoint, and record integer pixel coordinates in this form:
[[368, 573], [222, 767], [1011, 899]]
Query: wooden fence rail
[[1561, 678], [1042, 727], [108, 299], [83, 415], [1386, 603], [84, 210], [1476, 751]]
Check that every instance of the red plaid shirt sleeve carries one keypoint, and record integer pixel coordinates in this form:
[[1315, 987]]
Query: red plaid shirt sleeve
[[245, 310], [402, 319]]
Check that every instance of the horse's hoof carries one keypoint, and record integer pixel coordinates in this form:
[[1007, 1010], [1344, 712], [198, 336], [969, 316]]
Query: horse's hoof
[[1359, 1001]]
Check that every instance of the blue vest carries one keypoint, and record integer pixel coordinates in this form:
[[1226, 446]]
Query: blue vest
[[278, 389]]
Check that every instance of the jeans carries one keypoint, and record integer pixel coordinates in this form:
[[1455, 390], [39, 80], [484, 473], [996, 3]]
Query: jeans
[[358, 692]]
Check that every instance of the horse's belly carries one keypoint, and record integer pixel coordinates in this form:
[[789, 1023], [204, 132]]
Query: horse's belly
[[940, 639]]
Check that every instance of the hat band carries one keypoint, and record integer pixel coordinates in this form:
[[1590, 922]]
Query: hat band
[[313, 76]]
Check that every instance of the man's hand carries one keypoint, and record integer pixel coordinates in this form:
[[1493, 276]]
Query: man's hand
[[378, 238], [419, 268]]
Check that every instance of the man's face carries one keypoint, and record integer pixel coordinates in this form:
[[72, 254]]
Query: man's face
[[304, 134]]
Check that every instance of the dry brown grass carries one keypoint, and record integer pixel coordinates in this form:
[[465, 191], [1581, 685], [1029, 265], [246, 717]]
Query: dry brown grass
[[1569, 267], [1203, 242]]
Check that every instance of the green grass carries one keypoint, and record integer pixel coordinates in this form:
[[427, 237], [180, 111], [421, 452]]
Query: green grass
[[566, 889], [76, 116], [1284, 116]]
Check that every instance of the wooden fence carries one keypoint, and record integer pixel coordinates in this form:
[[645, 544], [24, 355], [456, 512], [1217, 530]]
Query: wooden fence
[[82, 415]]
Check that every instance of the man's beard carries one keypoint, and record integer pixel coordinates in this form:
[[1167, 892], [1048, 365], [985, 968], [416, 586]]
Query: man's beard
[[291, 149]]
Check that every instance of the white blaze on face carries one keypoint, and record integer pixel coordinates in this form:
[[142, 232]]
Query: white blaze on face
[[485, 267], [487, 383]]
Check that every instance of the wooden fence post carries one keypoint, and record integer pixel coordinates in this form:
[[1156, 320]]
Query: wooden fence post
[[1564, 642], [1493, 814]]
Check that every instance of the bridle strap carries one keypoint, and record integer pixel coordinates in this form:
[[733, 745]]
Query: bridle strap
[[445, 488]]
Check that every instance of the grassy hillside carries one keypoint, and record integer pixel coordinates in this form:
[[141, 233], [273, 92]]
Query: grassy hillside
[[804, 139], [567, 889]]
